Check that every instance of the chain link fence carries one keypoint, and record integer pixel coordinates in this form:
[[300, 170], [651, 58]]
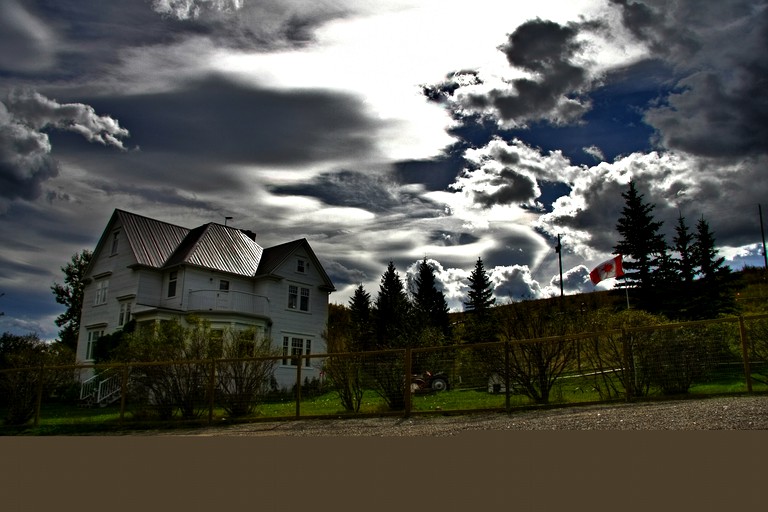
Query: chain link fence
[[722, 356]]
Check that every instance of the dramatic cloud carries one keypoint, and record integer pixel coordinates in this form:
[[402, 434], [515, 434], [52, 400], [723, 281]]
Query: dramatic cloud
[[718, 107], [25, 150], [186, 9], [555, 85], [38, 112]]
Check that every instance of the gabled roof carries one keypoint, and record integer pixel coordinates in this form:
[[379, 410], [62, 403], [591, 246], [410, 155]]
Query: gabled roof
[[214, 246], [152, 241], [274, 257], [220, 248]]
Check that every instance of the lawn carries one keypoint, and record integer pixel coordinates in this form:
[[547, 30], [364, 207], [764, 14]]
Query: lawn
[[58, 418]]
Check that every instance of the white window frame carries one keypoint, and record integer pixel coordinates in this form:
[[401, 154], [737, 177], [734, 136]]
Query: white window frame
[[102, 291], [298, 298], [173, 281], [125, 313], [295, 347], [93, 337], [115, 242]]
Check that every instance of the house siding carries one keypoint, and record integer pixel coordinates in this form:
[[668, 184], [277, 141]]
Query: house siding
[[259, 302]]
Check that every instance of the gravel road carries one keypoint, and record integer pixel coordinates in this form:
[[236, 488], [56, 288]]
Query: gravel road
[[722, 413]]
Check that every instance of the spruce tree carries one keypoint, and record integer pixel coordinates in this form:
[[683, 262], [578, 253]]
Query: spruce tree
[[360, 319], [642, 246], [392, 311], [481, 325], [429, 302], [480, 292], [684, 246]]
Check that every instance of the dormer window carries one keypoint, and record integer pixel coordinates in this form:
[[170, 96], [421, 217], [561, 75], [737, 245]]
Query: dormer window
[[115, 242], [173, 278]]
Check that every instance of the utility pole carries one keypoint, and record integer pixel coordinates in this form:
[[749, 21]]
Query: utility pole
[[762, 233], [559, 251]]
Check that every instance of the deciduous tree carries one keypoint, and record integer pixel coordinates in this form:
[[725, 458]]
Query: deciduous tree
[[70, 294]]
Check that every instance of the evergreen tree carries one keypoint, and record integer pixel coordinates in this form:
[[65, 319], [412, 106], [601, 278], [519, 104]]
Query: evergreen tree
[[708, 264], [70, 294], [480, 293], [360, 319], [429, 302], [481, 325], [715, 287], [684, 246], [392, 311], [642, 246]]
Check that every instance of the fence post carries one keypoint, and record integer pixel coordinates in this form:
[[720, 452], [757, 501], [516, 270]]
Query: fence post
[[39, 399], [407, 397], [507, 380], [629, 374], [299, 361], [745, 353], [211, 391], [123, 391]]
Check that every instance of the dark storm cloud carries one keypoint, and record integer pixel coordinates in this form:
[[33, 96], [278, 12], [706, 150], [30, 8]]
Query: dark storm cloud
[[511, 188], [719, 107], [25, 159], [372, 192], [71, 38], [546, 49], [349, 189], [216, 118], [451, 239]]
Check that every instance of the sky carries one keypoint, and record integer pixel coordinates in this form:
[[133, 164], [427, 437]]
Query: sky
[[388, 130]]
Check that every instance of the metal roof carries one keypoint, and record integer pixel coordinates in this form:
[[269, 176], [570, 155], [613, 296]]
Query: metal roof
[[152, 241], [213, 246], [220, 248]]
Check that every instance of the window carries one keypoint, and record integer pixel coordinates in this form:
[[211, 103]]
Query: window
[[296, 347], [125, 314], [293, 298], [301, 266], [172, 279], [101, 292], [115, 242], [223, 285], [93, 337]]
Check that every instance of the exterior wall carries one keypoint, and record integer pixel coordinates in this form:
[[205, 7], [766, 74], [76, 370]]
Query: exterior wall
[[261, 303], [292, 322], [111, 268]]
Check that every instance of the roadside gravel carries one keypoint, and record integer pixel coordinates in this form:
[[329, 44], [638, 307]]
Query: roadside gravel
[[722, 413]]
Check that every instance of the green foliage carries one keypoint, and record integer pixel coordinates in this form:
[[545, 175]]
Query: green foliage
[[20, 381], [70, 294], [166, 388], [429, 303], [392, 312], [344, 371], [641, 243], [244, 372], [480, 320]]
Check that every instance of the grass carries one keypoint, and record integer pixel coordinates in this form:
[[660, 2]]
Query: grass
[[64, 419]]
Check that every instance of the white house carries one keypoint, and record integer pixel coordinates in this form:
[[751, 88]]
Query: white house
[[149, 270]]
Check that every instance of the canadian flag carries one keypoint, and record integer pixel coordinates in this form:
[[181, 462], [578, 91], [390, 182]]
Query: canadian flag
[[607, 269]]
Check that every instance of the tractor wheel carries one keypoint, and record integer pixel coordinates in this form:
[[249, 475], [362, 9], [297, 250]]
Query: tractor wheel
[[439, 384]]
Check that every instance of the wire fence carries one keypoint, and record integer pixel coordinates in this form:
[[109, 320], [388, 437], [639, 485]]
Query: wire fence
[[713, 357]]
